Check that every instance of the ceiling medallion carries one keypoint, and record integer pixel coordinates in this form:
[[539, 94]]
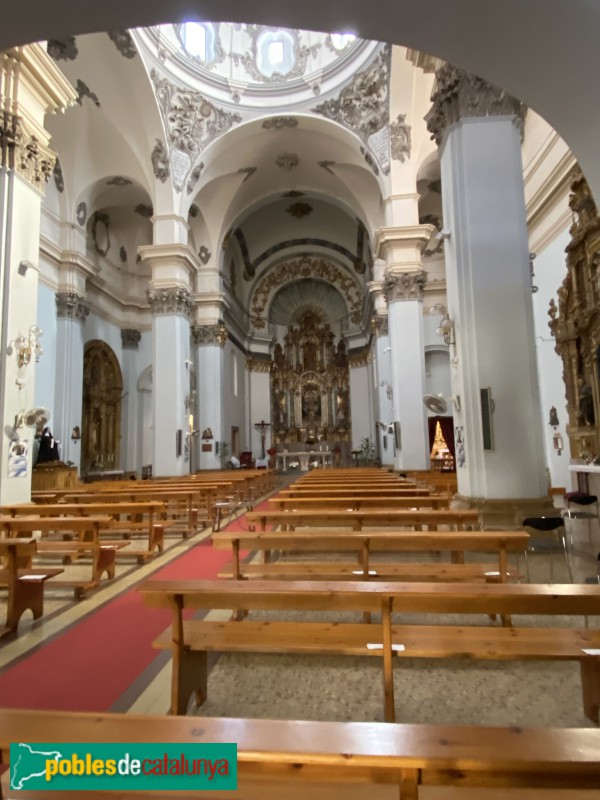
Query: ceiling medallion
[[204, 254], [62, 49], [81, 214], [160, 161], [370, 160], [277, 123], [118, 180], [58, 177], [293, 193], [194, 177], [400, 142], [194, 210], [299, 210], [144, 210], [124, 43], [83, 90], [287, 161]]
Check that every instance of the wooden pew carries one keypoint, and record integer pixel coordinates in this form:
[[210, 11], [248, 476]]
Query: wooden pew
[[25, 585], [358, 501], [357, 520], [190, 640], [86, 531], [363, 545], [152, 527], [365, 491], [290, 758]]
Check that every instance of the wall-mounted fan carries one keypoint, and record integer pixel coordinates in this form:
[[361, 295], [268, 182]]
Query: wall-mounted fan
[[439, 404], [36, 418]]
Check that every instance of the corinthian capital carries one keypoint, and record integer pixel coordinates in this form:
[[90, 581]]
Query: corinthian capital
[[70, 305], [22, 151], [170, 300], [404, 286], [205, 335], [458, 95]]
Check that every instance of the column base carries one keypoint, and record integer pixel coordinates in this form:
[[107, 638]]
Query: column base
[[506, 513]]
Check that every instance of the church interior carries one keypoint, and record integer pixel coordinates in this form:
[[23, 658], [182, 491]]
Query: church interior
[[312, 279]]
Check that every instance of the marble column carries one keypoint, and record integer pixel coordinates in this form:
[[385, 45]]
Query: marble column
[[208, 343], [403, 292], [477, 127], [171, 309], [31, 86], [130, 340]]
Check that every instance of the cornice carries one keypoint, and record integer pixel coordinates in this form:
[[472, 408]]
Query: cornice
[[167, 255], [387, 237], [44, 77], [557, 181]]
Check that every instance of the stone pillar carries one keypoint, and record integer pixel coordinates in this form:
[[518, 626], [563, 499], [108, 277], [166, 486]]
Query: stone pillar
[[171, 308], [208, 342], [403, 292], [71, 314], [130, 340], [31, 86], [477, 127], [260, 403], [384, 411]]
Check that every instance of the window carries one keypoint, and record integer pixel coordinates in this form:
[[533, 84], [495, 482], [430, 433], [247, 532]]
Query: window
[[342, 40], [198, 40], [275, 52]]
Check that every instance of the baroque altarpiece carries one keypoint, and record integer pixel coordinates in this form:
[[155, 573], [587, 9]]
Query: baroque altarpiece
[[310, 385], [575, 323]]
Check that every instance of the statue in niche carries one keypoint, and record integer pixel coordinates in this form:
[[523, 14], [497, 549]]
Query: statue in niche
[[341, 358], [311, 406], [279, 357], [586, 414], [310, 357]]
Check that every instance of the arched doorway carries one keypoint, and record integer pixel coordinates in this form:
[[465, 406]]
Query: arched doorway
[[101, 421]]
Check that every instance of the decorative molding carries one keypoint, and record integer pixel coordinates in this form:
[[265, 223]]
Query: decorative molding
[[209, 335], [204, 254], [194, 211], [63, 49], [59, 180], [194, 177], [83, 90], [130, 338], [118, 180], [359, 358], [170, 300], [277, 123], [458, 95], [258, 365], [144, 210], [123, 254], [70, 305], [363, 105], [160, 161], [81, 214], [370, 160], [247, 60], [300, 210], [404, 286], [297, 269], [400, 139], [293, 193], [100, 219], [192, 122], [379, 325], [22, 151], [248, 171], [287, 161], [123, 42]]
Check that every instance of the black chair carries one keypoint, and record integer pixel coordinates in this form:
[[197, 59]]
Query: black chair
[[583, 500], [547, 536]]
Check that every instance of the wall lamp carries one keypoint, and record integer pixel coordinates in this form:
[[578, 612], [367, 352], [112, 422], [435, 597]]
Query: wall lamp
[[446, 326], [27, 346]]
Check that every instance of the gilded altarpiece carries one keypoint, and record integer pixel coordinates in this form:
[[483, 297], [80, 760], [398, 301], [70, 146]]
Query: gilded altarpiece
[[575, 323], [310, 385], [101, 420]]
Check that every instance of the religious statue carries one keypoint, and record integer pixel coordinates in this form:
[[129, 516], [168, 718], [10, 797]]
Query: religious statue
[[586, 414]]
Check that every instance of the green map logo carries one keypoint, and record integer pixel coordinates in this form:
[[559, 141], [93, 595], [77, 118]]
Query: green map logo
[[118, 767]]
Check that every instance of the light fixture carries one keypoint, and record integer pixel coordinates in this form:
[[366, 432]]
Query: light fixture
[[25, 347], [446, 326]]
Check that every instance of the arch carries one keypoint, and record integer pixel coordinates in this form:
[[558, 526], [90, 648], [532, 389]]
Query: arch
[[101, 411]]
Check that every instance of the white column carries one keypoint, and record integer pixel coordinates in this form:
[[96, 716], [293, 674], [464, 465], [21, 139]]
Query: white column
[[209, 341], [260, 400], [404, 294], [489, 286], [31, 85], [130, 340], [385, 410], [170, 387], [71, 313]]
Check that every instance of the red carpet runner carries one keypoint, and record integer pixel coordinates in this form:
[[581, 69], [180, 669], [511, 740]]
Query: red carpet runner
[[90, 665]]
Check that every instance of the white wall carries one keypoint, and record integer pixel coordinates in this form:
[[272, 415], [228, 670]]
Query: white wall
[[550, 269]]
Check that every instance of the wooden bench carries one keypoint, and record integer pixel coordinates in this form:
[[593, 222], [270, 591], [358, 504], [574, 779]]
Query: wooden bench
[[365, 491], [290, 758], [190, 640], [25, 584], [357, 520], [152, 527], [363, 545], [103, 560], [358, 501]]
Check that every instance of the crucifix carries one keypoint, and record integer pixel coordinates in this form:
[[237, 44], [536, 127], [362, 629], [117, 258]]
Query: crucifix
[[262, 428]]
